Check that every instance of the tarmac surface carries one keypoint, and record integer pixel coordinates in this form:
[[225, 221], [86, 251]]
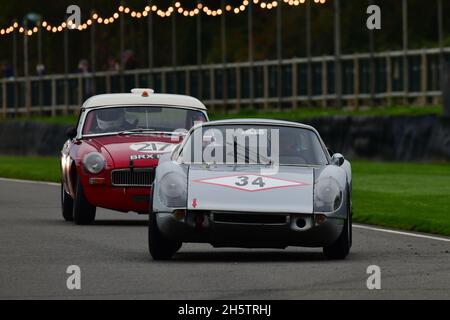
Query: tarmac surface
[[37, 247]]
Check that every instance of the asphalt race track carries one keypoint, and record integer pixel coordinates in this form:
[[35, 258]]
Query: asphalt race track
[[37, 246]]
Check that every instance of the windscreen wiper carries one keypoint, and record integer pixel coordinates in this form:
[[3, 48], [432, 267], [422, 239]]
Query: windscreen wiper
[[137, 130]]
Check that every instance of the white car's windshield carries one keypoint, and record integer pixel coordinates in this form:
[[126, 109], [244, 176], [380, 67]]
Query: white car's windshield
[[140, 118], [256, 144]]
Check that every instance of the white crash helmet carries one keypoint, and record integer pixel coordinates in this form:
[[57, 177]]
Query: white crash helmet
[[110, 118]]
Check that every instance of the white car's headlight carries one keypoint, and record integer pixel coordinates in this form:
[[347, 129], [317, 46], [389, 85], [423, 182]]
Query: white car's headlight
[[94, 162], [328, 195], [173, 190]]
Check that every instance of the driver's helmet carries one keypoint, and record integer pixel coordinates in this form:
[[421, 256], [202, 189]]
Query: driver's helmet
[[288, 144], [110, 118]]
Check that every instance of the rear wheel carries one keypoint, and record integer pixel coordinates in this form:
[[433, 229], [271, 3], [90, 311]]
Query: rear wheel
[[83, 211], [66, 204], [159, 246], [341, 247]]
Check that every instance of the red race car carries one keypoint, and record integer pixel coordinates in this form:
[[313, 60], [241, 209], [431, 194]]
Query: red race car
[[110, 157]]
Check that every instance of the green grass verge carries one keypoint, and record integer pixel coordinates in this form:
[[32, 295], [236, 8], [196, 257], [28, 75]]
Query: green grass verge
[[30, 168], [291, 115], [403, 195], [407, 196]]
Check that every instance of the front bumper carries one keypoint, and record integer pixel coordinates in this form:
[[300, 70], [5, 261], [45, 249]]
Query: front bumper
[[250, 230], [123, 199]]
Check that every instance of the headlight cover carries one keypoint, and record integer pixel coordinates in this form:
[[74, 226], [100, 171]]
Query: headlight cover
[[328, 195], [94, 162], [173, 190]]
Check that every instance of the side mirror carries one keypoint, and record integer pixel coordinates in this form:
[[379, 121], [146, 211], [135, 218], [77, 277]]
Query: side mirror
[[337, 159], [71, 132]]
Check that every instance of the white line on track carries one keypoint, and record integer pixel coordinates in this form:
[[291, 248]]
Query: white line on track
[[358, 226], [403, 233], [31, 182]]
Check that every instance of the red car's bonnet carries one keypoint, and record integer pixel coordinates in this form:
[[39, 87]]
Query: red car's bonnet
[[142, 149]]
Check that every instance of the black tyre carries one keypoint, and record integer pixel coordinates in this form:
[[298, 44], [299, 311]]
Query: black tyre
[[66, 204], [159, 246], [341, 247], [83, 211]]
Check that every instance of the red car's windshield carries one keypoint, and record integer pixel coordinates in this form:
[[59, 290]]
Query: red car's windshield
[[118, 119]]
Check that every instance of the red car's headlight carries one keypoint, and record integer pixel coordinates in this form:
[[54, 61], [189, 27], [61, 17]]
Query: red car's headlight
[[94, 162]]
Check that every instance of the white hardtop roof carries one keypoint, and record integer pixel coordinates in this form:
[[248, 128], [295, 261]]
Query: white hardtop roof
[[143, 97]]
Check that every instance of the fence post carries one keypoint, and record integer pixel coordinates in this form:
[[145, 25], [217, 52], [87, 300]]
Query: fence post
[[163, 82], [4, 98], [188, 83], [405, 52], [266, 87], [294, 85], [136, 81], [108, 83], [80, 90], [446, 88], [356, 88], [324, 82], [388, 81], [424, 77], [238, 89], [66, 96], [53, 97], [28, 96], [212, 88], [337, 54]]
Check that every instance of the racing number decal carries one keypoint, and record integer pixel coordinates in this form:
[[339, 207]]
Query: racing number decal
[[147, 147], [151, 147], [251, 182], [243, 181], [259, 182]]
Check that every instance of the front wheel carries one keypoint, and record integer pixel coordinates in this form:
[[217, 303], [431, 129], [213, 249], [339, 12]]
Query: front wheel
[[341, 247], [159, 246], [83, 211], [66, 204]]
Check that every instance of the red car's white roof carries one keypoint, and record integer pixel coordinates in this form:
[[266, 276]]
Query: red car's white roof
[[135, 99]]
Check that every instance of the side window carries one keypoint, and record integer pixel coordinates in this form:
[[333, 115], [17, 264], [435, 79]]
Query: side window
[[194, 117], [88, 122]]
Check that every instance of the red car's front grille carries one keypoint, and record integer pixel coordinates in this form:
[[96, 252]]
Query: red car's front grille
[[132, 178]]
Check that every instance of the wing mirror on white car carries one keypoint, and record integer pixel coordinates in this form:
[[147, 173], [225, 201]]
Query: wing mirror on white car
[[337, 159]]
